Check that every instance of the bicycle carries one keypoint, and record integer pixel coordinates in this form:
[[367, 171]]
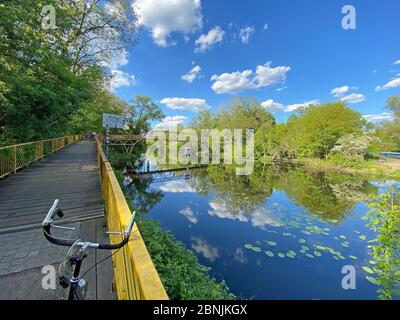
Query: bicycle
[[70, 268]]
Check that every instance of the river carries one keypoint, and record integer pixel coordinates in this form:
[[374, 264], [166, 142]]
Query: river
[[281, 233]]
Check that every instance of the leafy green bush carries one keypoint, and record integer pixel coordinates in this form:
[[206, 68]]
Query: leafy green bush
[[180, 271]]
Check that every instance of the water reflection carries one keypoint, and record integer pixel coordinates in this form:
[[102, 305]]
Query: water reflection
[[282, 223]]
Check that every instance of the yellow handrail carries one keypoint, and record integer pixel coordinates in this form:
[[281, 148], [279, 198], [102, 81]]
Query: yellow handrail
[[135, 276], [20, 155]]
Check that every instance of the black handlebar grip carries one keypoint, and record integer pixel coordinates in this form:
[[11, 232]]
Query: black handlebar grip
[[58, 212]]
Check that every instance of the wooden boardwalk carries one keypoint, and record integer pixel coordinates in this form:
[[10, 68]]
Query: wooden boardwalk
[[72, 176]]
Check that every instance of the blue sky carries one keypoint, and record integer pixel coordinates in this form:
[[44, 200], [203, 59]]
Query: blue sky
[[284, 53]]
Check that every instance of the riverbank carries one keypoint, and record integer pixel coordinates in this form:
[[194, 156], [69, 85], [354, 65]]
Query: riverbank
[[389, 169]]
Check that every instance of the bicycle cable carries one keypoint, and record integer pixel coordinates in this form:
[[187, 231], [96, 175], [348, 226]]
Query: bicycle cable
[[101, 261]]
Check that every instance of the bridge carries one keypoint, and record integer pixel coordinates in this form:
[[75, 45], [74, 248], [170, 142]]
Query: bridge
[[78, 173]]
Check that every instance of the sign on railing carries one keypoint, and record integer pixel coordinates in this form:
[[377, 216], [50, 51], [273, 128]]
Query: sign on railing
[[20, 155]]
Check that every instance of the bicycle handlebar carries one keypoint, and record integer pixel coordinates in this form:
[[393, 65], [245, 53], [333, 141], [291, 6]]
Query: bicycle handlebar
[[48, 221]]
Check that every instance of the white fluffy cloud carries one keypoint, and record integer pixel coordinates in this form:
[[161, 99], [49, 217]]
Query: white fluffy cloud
[[170, 122], [121, 79], [207, 251], [162, 17], [265, 27], [272, 105], [353, 98], [192, 75], [378, 117], [265, 75], [397, 62], [340, 91], [206, 41], [194, 105], [260, 217], [246, 33], [395, 83], [297, 106], [189, 214]]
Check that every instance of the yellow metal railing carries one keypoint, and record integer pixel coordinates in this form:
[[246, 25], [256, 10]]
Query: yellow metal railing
[[135, 276], [20, 155]]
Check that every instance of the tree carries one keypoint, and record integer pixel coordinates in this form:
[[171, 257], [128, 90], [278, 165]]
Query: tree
[[353, 148], [142, 112], [318, 128], [393, 104], [48, 76]]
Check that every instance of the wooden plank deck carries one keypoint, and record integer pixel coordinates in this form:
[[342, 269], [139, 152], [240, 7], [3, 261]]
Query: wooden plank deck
[[72, 176]]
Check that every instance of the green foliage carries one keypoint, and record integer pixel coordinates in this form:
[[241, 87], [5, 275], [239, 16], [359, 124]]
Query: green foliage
[[318, 128], [181, 273], [52, 81], [237, 114], [389, 131], [384, 219]]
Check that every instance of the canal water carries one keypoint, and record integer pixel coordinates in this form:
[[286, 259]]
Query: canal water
[[281, 233]]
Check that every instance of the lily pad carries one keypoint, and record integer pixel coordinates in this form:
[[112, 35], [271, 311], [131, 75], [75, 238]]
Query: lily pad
[[344, 244], [306, 232], [317, 253], [269, 253], [342, 236], [271, 243], [367, 269], [302, 241], [281, 255], [256, 249], [286, 234], [308, 255], [372, 280], [362, 237], [353, 257], [305, 248], [248, 246]]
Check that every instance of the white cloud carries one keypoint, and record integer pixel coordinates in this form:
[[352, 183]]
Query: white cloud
[[246, 33], [170, 122], [192, 75], [353, 98], [265, 27], [121, 79], [189, 214], [297, 106], [267, 75], [259, 217], [162, 17], [272, 105], [232, 82], [194, 105], [340, 91], [177, 186], [235, 82], [207, 251], [385, 116], [397, 62], [395, 83], [206, 41]]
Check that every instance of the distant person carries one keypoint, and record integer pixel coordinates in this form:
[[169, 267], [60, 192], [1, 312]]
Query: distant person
[[93, 135]]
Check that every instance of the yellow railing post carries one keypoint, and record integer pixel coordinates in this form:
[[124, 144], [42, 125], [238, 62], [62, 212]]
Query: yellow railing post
[[15, 158]]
